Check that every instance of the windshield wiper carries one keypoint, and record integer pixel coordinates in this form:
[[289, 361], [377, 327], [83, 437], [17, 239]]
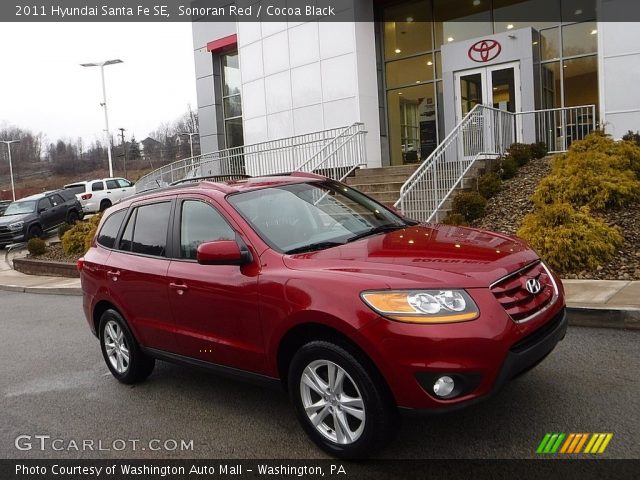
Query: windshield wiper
[[375, 230], [313, 247]]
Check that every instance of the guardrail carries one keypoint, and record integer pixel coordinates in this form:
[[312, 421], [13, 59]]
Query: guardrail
[[330, 152], [486, 132]]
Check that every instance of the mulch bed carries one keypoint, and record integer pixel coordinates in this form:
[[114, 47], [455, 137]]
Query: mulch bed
[[56, 254], [507, 209]]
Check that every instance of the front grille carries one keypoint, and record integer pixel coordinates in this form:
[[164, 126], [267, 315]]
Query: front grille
[[538, 335], [4, 230], [517, 301]]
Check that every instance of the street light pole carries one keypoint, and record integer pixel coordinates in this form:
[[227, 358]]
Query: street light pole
[[8, 144], [191, 135], [104, 104]]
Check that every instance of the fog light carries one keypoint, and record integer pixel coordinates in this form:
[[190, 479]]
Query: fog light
[[443, 386]]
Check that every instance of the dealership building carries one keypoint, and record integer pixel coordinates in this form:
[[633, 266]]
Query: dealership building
[[413, 72]]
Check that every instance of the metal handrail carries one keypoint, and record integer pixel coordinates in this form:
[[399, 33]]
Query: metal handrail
[[333, 149], [485, 132]]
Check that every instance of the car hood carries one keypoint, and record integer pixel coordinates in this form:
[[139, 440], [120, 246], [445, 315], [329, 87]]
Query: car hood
[[428, 256], [6, 220]]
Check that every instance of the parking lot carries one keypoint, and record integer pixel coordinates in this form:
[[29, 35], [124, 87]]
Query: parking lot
[[53, 382]]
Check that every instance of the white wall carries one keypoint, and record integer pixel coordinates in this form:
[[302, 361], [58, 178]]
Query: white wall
[[619, 71], [305, 77]]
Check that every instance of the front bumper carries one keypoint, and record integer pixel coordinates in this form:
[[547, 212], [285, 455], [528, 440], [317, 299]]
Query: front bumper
[[7, 238]]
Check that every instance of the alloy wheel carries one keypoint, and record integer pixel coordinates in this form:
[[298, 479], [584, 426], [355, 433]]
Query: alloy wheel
[[116, 347], [332, 402]]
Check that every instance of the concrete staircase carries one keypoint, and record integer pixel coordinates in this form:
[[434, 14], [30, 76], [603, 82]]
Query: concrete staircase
[[384, 184]]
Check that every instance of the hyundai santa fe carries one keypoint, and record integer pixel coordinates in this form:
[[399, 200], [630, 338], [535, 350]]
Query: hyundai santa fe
[[304, 282]]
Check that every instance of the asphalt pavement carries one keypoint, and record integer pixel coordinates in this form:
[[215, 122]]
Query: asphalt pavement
[[53, 382]]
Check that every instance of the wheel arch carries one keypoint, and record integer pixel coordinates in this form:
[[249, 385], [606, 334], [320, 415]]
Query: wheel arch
[[303, 333]]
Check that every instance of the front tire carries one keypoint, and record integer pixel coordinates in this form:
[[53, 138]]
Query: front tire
[[341, 403], [34, 232], [122, 354]]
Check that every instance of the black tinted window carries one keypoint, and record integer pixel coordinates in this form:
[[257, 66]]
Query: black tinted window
[[97, 186], [127, 236], [150, 230], [201, 223], [44, 204], [112, 184], [57, 200], [110, 228]]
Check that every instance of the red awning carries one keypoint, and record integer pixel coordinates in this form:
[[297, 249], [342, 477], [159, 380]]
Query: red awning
[[222, 43]]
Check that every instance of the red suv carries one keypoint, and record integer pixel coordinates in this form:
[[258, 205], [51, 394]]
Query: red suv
[[302, 281]]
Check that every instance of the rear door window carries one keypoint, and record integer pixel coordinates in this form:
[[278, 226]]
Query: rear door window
[[56, 200], [97, 186], [150, 229], [110, 229], [200, 223]]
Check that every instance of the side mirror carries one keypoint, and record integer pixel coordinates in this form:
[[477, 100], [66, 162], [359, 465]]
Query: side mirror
[[42, 210], [222, 252]]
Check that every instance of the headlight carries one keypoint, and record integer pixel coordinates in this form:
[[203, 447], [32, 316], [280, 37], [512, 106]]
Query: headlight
[[16, 226], [423, 306]]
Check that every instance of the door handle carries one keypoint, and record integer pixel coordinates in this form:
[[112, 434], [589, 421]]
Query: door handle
[[179, 288], [114, 275]]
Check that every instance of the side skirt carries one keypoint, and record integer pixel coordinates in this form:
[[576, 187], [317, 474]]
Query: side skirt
[[230, 372]]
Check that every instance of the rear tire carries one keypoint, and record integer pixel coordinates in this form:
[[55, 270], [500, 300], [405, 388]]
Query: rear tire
[[122, 354], [34, 232], [104, 204], [72, 218], [341, 403]]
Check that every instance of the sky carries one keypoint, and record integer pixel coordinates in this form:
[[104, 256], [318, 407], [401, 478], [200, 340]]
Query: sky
[[43, 88]]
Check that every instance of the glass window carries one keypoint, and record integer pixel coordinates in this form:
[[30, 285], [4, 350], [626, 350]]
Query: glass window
[[150, 230], [97, 186], [110, 229], [550, 44], [407, 29], [581, 81], [124, 183], [457, 20], [233, 132], [412, 123], [201, 223], [579, 39], [56, 200], [578, 10], [230, 74], [515, 14], [44, 204], [232, 100], [551, 93], [112, 184], [410, 71], [127, 236]]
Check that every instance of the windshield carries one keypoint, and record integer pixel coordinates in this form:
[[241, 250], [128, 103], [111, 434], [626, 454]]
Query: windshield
[[20, 208], [311, 216]]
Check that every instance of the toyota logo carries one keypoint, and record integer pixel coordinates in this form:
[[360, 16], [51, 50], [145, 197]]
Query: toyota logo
[[484, 51], [533, 286]]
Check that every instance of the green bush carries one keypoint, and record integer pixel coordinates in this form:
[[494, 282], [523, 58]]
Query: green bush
[[570, 240], [539, 150], [470, 205], [633, 137], [455, 219], [521, 153], [625, 155], [62, 229], [505, 167], [588, 178], [36, 246], [489, 185], [78, 239]]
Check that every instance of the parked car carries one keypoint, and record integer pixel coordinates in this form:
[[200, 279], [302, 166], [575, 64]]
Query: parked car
[[305, 282], [32, 216], [98, 195], [3, 206]]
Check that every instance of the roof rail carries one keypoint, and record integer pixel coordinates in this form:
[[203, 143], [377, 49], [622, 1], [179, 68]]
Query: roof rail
[[217, 178]]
